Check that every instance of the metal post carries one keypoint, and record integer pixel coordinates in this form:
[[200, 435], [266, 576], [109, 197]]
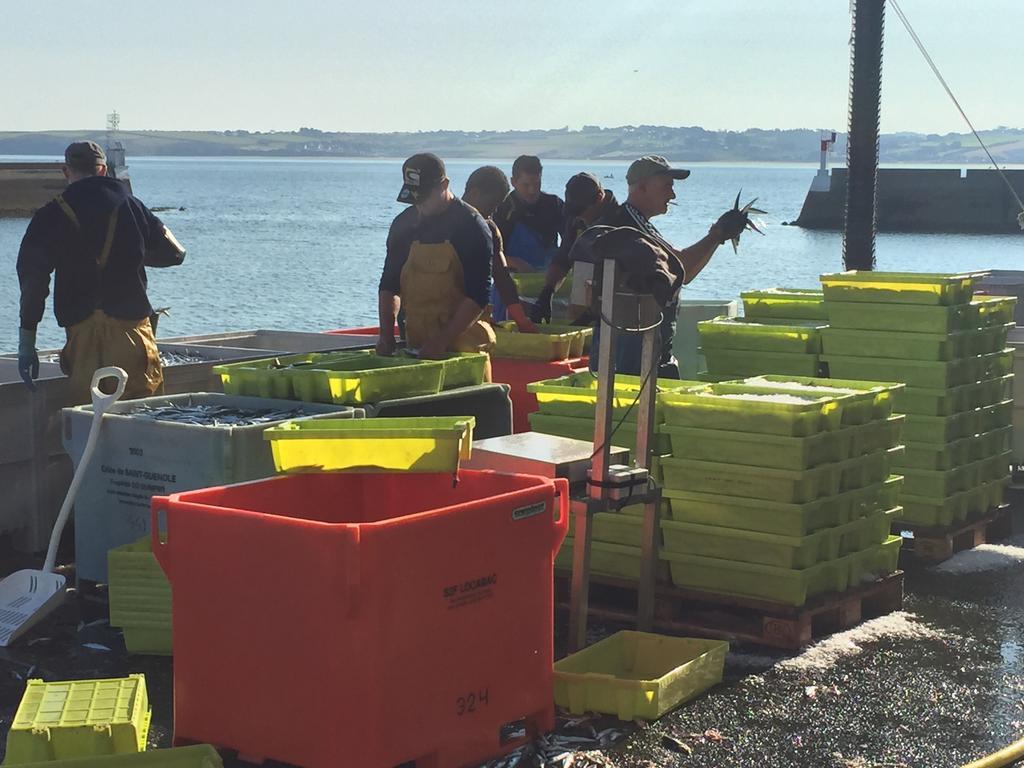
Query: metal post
[[579, 595], [862, 137], [644, 438]]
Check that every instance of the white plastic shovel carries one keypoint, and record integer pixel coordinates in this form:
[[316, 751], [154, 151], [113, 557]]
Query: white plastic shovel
[[28, 596]]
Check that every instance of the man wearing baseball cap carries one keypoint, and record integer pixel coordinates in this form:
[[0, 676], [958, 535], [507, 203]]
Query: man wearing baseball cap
[[651, 181], [437, 268], [96, 239], [586, 202]]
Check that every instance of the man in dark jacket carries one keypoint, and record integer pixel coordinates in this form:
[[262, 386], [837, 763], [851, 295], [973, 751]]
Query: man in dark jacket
[[530, 220], [97, 239]]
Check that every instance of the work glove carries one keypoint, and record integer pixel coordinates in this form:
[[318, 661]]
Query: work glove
[[518, 316], [730, 225], [28, 358], [540, 312]]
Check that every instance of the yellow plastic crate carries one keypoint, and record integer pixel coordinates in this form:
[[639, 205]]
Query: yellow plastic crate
[[536, 346], [79, 718], [411, 444], [199, 756], [140, 598], [638, 674]]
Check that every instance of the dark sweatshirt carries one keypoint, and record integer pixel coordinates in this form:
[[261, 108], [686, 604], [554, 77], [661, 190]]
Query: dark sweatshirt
[[54, 243]]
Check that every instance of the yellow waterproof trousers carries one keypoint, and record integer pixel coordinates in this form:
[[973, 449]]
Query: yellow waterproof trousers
[[101, 340], [431, 283]]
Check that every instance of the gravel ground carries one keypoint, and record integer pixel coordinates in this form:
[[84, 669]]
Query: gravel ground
[[938, 684]]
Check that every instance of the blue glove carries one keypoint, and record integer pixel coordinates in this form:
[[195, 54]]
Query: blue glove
[[28, 358]]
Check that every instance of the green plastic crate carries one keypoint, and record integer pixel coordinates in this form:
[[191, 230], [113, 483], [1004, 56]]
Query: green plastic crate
[[79, 718], [868, 531], [875, 562], [750, 546], [937, 456], [785, 304], [755, 514], [940, 430], [945, 402], [464, 369], [530, 284], [995, 467], [269, 377], [932, 512], [991, 443], [992, 366], [585, 336], [743, 333], [366, 379], [747, 362], [753, 449], [898, 287], [140, 598], [614, 527], [782, 485], [863, 401], [869, 469], [995, 416], [988, 340], [198, 756], [763, 582], [768, 413], [909, 318], [637, 675], [583, 429], [575, 395], [871, 437], [510, 343], [934, 483], [902, 346], [986, 311], [619, 561], [913, 373]]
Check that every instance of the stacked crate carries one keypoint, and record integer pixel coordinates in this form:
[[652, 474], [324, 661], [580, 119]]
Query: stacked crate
[[779, 487], [140, 598], [741, 346], [566, 407], [928, 332]]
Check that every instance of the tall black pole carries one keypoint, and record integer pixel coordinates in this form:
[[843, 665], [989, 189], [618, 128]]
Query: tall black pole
[[862, 138]]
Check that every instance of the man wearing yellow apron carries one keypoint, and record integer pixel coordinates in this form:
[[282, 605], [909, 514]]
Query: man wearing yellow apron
[[438, 268], [97, 239]]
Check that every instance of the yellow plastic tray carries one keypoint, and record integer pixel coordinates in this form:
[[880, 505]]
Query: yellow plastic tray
[[536, 346], [638, 674], [199, 756], [412, 444], [79, 718]]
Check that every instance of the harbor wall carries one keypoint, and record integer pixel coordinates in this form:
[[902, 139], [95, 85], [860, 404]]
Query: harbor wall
[[925, 200], [26, 187]]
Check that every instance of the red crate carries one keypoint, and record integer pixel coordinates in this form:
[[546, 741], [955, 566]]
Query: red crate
[[332, 619], [518, 373]]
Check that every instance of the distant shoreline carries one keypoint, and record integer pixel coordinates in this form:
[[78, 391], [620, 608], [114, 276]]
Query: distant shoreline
[[590, 144]]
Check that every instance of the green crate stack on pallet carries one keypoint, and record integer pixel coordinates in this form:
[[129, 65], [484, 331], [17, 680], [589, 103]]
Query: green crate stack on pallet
[[740, 346], [948, 347], [780, 333], [779, 487], [565, 407]]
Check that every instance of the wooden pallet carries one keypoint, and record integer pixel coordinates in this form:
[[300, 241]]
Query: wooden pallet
[[738, 619], [934, 545]]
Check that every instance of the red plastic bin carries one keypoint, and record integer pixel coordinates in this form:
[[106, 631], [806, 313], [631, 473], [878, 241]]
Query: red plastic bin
[[365, 620], [518, 373]]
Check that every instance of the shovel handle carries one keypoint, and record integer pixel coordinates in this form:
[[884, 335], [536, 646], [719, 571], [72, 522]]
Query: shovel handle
[[100, 401]]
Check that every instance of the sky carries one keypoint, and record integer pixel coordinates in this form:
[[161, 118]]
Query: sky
[[396, 65]]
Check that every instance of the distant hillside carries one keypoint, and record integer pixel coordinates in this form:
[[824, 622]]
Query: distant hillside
[[591, 143]]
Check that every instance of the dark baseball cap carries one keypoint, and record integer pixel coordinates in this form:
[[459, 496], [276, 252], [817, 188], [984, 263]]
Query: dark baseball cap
[[581, 192], [421, 174], [85, 153], [650, 166]]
